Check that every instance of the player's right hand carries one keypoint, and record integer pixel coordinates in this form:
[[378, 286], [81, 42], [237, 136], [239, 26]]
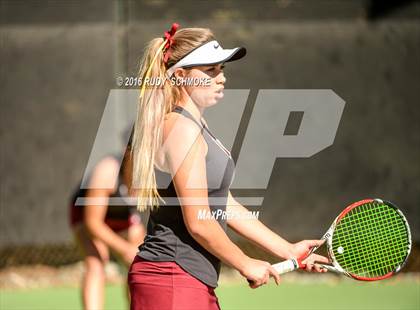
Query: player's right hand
[[258, 272]]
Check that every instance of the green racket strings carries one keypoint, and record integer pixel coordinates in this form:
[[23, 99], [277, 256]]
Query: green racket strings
[[371, 240]]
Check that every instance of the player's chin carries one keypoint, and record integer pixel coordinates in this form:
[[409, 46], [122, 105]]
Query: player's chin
[[212, 100], [217, 96]]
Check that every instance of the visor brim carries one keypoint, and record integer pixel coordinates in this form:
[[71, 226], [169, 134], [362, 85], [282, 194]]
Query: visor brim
[[208, 54], [227, 55]]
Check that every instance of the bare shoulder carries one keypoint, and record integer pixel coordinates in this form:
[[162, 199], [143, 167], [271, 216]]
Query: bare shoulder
[[179, 130], [172, 118], [105, 173]]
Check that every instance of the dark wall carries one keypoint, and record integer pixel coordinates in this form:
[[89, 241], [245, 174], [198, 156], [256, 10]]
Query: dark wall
[[60, 59]]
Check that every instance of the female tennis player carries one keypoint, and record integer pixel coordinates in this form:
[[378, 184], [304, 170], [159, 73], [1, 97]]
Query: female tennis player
[[178, 264], [104, 226]]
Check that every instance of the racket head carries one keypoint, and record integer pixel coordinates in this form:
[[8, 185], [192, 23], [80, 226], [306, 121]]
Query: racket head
[[370, 240]]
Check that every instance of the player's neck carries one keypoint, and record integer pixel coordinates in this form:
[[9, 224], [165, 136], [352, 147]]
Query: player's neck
[[189, 105]]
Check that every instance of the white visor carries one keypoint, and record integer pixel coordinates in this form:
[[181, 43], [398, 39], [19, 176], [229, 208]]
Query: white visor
[[210, 53]]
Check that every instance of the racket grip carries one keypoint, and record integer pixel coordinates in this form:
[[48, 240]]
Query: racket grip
[[286, 266]]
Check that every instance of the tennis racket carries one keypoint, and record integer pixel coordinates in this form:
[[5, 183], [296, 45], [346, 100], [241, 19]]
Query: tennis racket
[[370, 240]]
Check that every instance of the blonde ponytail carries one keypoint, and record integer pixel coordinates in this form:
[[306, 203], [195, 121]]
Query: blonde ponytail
[[154, 103]]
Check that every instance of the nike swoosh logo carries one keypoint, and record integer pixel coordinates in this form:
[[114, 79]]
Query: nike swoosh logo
[[216, 46]]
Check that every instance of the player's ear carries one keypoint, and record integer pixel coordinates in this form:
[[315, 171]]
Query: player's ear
[[180, 73]]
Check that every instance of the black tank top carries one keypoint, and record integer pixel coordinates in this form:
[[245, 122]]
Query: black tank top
[[167, 237]]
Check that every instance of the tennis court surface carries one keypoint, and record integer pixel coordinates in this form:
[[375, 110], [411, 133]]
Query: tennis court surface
[[397, 293]]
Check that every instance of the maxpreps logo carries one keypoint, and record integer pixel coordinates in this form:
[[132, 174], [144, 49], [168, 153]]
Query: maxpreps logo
[[267, 136]]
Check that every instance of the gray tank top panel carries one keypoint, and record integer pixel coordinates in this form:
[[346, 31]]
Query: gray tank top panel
[[167, 237]]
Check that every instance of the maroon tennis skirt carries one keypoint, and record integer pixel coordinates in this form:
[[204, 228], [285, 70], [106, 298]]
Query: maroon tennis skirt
[[166, 286]]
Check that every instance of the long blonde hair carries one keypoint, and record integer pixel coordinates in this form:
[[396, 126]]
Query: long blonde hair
[[154, 103]]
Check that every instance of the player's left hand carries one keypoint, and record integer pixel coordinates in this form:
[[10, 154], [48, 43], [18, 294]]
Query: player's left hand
[[301, 249], [311, 265]]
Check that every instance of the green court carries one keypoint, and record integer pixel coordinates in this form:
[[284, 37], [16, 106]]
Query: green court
[[345, 294]]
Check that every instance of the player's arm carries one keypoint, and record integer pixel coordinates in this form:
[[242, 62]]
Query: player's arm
[[254, 230], [102, 185], [185, 152]]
